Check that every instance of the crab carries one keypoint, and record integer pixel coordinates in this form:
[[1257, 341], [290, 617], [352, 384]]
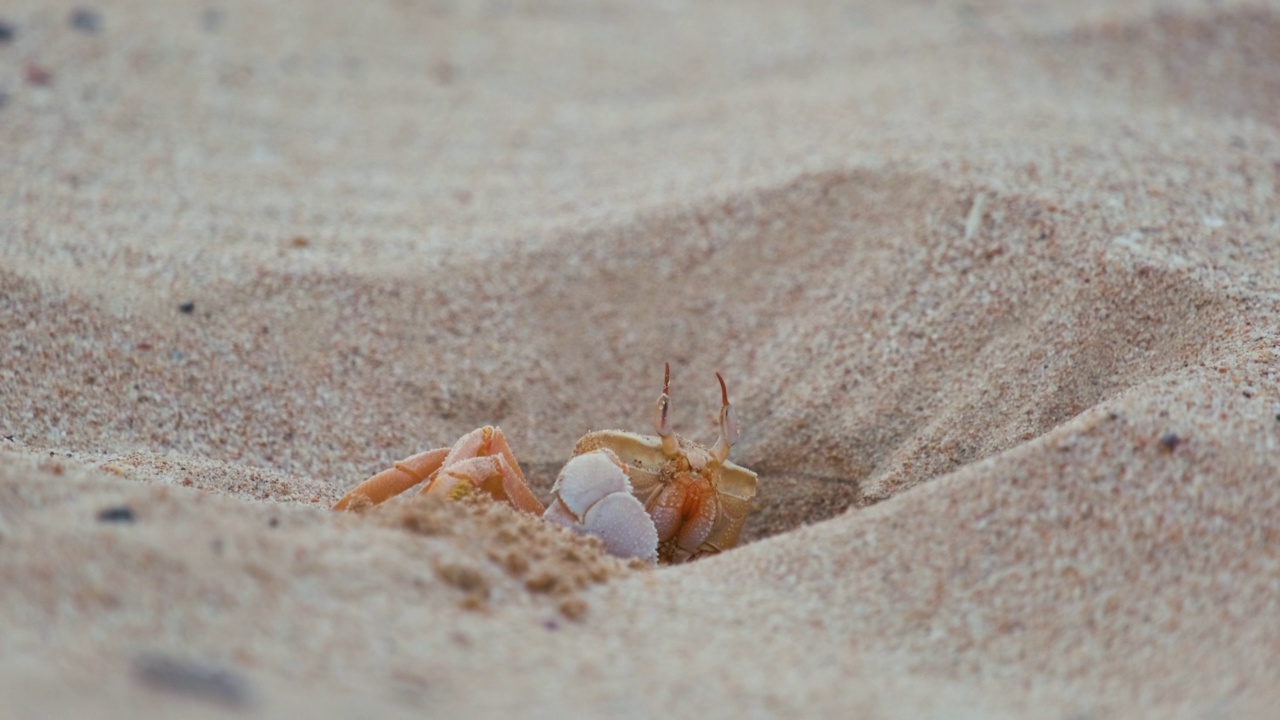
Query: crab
[[660, 498], [696, 499]]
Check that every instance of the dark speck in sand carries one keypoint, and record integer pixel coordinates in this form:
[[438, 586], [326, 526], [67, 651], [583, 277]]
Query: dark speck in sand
[[7, 32], [187, 307], [86, 20], [118, 514], [1170, 441], [37, 75], [195, 680], [211, 19]]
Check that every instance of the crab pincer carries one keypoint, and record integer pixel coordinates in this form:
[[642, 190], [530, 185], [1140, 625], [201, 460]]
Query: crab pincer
[[593, 496]]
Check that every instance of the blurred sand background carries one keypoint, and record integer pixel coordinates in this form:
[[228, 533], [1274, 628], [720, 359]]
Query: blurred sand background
[[995, 287]]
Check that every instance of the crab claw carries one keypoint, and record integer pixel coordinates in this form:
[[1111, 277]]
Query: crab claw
[[593, 496]]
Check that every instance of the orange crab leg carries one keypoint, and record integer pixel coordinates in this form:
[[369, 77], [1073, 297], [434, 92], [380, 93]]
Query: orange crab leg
[[396, 479], [481, 458], [489, 441], [498, 446], [490, 473], [474, 444]]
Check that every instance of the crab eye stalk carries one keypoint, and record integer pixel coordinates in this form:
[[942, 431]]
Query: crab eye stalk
[[661, 421], [661, 416], [728, 426]]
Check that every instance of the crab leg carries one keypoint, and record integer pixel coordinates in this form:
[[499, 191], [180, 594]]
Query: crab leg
[[473, 444], [396, 479], [489, 441], [490, 473], [498, 446], [482, 442]]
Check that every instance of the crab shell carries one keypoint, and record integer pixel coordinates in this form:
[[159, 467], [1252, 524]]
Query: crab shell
[[649, 470]]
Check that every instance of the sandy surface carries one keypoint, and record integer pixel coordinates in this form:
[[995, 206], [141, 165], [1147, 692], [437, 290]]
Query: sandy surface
[[995, 286]]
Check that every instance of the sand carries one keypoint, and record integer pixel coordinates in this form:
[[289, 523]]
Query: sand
[[994, 286]]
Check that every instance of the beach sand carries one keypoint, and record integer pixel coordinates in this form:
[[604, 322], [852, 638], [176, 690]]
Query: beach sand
[[994, 287]]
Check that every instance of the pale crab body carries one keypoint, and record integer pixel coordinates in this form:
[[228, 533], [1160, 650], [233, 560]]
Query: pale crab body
[[697, 506]]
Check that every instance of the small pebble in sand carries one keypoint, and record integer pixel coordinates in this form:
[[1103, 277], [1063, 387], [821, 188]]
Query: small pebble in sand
[[7, 32], [974, 221], [1170, 441], [463, 577], [86, 20], [187, 307], [468, 579], [36, 75], [118, 514], [573, 607], [197, 680], [211, 19]]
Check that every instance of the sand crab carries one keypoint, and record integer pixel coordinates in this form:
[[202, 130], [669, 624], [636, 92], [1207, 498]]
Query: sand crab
[[661, 498], [696, 499]]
